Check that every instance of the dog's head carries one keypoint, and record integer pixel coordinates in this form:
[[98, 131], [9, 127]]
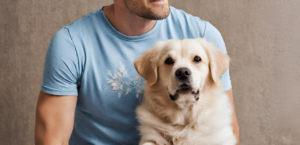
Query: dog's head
[[182, 67]]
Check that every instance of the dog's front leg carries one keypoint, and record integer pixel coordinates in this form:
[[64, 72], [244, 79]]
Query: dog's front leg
[[151, 136]]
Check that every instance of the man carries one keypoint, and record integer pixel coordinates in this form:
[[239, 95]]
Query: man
[[90, 88]]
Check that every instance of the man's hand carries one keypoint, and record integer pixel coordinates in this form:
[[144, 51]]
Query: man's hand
[[54, 119], [235, 124]]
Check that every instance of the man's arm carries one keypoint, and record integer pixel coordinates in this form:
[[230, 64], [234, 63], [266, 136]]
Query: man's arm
[[235, 124], [54, 119]]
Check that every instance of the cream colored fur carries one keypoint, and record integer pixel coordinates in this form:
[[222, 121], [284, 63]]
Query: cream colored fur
[[186, 121]]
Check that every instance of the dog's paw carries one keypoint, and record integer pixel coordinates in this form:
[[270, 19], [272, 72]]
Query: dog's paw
[[148, 143], [151, 143]]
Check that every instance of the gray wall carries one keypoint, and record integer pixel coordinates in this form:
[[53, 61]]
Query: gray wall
[[262, 38]]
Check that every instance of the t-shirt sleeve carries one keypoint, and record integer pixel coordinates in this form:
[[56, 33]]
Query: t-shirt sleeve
[[212, 34], [60, 73]]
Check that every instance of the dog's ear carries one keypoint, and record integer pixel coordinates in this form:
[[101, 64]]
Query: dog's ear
[[147, 64], [218, 61]]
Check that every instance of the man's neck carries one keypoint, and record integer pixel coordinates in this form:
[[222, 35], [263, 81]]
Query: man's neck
[[127, 22]]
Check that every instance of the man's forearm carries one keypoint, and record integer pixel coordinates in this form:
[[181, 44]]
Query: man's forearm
[[47, 137], [235, 124], [54, 119]]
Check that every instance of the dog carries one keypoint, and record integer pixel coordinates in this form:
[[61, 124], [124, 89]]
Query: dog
[[184, 101]]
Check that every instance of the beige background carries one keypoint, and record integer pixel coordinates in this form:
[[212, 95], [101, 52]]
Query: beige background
[[262, 38]]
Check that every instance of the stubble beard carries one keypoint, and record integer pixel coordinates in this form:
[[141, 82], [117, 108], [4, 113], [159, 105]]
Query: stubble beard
[[146, 12]]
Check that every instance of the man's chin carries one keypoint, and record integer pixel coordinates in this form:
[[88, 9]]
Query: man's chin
[[157, 14]]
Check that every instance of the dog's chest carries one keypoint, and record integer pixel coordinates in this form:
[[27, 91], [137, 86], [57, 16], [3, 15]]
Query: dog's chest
[[182, 117]]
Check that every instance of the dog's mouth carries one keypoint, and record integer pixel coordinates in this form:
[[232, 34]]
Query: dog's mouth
[[185, 89], [185, 86]]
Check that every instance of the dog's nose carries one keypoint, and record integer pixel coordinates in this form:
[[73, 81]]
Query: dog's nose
[[182, 73]]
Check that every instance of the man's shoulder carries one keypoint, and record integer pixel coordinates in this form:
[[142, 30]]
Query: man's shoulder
[[192, 26], [186, 22], [85, 21], [175, 12]]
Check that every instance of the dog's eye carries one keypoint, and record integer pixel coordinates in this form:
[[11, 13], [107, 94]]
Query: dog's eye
[[169, 61], [197, 59]]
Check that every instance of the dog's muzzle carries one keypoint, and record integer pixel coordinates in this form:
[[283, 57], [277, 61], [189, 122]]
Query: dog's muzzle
[[183, 73]]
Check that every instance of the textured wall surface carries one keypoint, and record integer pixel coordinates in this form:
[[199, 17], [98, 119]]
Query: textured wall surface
[[262, 38]]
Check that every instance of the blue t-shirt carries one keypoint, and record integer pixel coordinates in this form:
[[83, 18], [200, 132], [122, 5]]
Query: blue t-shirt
[[89, 58]]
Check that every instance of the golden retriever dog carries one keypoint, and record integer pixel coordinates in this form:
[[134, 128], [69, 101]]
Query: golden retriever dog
[[184, 101]]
